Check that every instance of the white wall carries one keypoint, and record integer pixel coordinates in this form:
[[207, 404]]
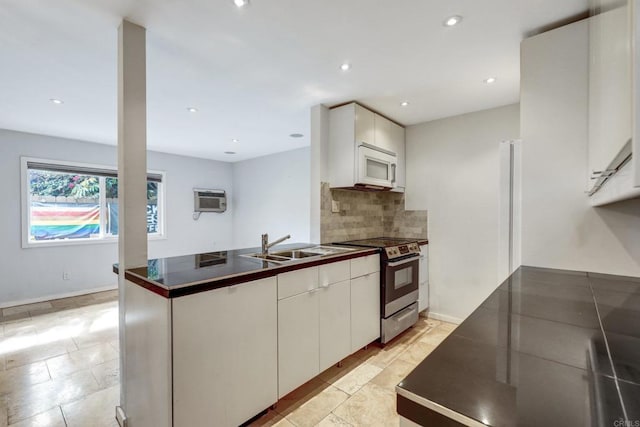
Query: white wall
[[453, 171], [559, 227], [271, 195], [36, 273]]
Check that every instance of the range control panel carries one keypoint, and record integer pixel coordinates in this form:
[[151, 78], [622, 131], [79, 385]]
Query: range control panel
[[402, 250]]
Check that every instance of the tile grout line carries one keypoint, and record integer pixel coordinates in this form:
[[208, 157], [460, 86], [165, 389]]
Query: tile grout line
[[606, 343], [64, 418]]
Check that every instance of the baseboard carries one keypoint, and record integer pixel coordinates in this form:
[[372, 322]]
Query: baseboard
[[58, 296], [445, 318]]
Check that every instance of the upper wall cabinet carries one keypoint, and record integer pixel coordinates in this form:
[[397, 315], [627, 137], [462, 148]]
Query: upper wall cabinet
[[612, 175], [366, 150]]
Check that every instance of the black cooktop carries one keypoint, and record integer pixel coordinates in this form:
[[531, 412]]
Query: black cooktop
[[379, 242]]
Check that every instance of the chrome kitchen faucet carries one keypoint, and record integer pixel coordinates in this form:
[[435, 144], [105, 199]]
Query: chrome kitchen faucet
[[266, 245]]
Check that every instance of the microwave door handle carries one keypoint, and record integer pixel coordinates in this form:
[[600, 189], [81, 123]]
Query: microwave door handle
[[393, 171]]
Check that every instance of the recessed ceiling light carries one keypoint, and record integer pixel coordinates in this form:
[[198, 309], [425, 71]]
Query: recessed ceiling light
[[452, 20], [490, 80], [192, 109], [241, 3], [56, 101], [345, 67], [235, 140], [229, 152], [404, 103], [296, 135]]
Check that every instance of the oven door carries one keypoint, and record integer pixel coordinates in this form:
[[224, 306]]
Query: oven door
[[376, 167], [400, 287]]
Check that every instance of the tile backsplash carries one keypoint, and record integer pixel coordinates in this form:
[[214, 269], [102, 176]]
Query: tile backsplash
[[363, 215]]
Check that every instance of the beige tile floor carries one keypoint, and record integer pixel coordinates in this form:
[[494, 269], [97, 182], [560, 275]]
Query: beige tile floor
[[59, 367], [362, 391], [59, 362]]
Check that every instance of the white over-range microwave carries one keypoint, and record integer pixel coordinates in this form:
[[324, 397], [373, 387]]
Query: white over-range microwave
[[375, 167]]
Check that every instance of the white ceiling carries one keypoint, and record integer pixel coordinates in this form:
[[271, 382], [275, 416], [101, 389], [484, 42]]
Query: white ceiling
[[254, 73]]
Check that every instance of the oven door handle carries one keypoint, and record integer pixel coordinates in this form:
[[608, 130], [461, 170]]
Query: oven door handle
[[404, 261]]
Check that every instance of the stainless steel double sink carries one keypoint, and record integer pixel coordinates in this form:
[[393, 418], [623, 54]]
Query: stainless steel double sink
[[292, 255]]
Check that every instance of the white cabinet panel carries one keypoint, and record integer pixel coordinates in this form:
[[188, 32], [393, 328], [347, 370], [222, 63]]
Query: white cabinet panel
[[225, 354], [423, 279], [297, 282], [382, 133], [335, 323], [365, 310], [609, 86], [364, 122], [298, 341], [334, 272], [398, 140], [365, 265]]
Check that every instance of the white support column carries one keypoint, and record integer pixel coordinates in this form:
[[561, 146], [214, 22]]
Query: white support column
[[319, 164], [132, 169]]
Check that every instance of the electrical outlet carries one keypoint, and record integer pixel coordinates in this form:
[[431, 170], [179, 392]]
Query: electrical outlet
[[65, 275], [335, 206]]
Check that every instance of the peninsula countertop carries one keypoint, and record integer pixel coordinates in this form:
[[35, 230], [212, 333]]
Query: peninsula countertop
[[184, 275], [547, 348]]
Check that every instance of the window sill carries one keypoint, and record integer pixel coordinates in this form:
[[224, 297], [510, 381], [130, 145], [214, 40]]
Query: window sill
[[82, 242]]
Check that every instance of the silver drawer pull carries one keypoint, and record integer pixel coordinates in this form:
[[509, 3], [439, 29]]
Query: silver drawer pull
[[406, 315]]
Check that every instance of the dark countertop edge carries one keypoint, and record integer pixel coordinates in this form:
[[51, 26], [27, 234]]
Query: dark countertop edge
[[236, 279], [413, 407], [422, 242]]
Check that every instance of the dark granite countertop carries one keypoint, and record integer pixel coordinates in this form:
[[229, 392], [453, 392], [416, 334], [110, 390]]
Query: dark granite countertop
[[547, 348], [184, 275]]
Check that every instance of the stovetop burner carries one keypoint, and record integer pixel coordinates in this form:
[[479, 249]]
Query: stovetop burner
[[393, 247], [380, 242]]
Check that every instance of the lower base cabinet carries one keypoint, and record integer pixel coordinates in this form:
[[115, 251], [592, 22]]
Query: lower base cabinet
[[225, 354], [365, 310], [298, 340], [335, 323]]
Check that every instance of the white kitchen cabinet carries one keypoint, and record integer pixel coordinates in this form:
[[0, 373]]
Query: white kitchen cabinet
[[609, 86], [365, 265], [352, 124], [382, 133], [398, 138], [363, 123], [423, 279], [614, 102], [298, 340], [225, 354], [334, 272], [296, 282], [365, 310], [334, 323]]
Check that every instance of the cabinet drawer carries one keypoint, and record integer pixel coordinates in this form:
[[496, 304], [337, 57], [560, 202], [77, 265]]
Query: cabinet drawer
[[334, 272], [365, 265], [297, 282]]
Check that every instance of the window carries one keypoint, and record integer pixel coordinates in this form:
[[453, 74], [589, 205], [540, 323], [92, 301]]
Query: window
[[70, 203]]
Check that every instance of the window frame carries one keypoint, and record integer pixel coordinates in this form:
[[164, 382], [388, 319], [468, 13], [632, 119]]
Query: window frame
[[25, 195]]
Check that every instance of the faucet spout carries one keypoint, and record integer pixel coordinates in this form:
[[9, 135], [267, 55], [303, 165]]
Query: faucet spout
[[266, 245]]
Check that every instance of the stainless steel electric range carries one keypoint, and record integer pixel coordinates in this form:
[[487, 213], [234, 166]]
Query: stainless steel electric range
[[399, 276]]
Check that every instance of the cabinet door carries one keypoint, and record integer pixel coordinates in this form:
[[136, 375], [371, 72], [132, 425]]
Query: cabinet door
[[225, 354], [298, 341], [609, 86], [382, 133], [398, 140], [364, 125], [365, 310], [297, 282], [335, 323]]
